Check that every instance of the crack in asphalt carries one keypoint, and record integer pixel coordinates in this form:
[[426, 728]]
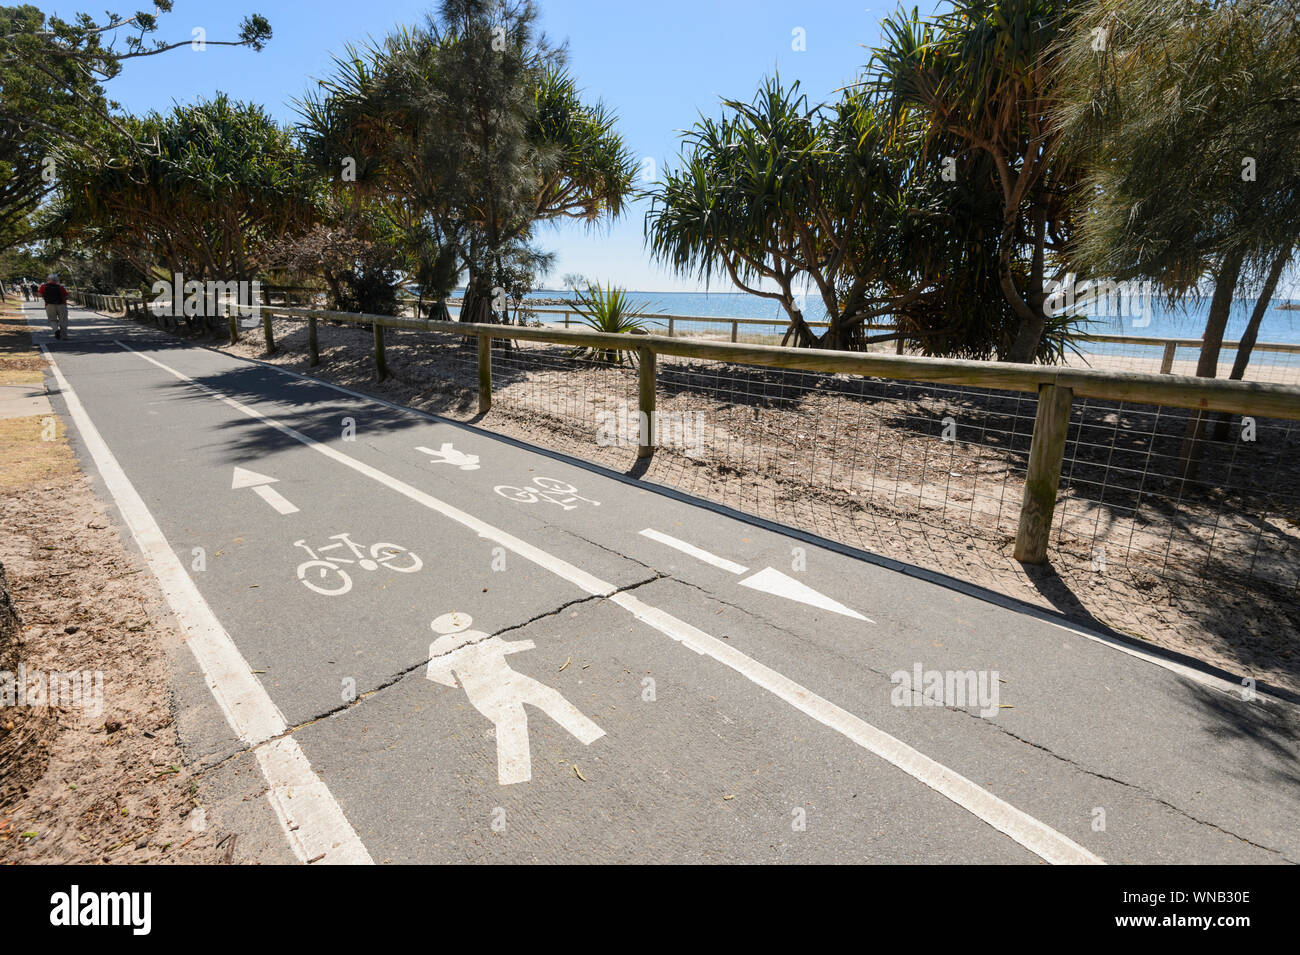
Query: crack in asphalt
[[1159, 800], [1002, 729], [748, 611], [402, 674], [611, 550]]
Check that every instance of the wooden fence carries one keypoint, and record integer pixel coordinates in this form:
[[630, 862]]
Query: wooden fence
[[1056, 387]]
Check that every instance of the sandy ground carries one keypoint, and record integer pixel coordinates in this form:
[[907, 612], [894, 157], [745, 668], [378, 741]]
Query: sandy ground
[[1206, 571], [81, 781]]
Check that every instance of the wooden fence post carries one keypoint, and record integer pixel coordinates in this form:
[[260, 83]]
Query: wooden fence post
[[484, 374], [646, 402], [268, 334], [670, 326], [313, 346], [232, 321], [1167, 360], [1046, 451], [735, 327], [381, 363]]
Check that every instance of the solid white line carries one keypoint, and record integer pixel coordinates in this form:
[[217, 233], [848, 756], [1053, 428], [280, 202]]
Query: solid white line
[[313, 822], [1037, 837], [275, 499], [685, 548]]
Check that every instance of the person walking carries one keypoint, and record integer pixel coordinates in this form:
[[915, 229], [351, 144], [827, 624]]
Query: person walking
[[27, 291], [56, 305]]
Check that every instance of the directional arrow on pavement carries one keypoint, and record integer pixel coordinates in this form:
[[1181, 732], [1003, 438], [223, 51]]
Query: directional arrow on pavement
[[261, 485], [768, 580], [772, 581]]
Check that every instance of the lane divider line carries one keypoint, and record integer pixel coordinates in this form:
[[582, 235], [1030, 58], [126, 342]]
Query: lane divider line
[[1036, 836], [699, 553], [313, 822]]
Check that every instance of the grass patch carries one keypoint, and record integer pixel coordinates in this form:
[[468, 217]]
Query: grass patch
[[36, 452], [20, 362]]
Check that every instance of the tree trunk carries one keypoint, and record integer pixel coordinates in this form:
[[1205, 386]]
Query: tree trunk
[[1251, 334], [799, 331], [1028, 308], [477, 304], [1225, 284]]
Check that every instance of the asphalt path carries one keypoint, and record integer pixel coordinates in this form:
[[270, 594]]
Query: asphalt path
[[411, 640]]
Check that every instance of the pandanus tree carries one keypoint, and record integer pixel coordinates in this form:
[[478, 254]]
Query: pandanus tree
[[220, 185], [52, 98], [980, 80], [780, 195], [473, 132], [1186, 117]]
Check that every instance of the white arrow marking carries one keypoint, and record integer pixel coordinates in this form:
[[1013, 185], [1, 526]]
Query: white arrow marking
[[774, 582], [449, 455], [694, 551], [768, 580], [260, 484]]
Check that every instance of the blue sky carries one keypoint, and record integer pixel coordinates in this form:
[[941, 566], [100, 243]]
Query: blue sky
[[657, 64]]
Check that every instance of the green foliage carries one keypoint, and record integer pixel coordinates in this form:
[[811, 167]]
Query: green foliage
[[778, 190], [844, 200], [979, 83], [608, 309], [52, 101], [220, 185], [471, 133], [1165, 118], [1187, 122]]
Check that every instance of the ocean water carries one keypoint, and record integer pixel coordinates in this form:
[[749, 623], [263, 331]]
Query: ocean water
[[1279, 324]]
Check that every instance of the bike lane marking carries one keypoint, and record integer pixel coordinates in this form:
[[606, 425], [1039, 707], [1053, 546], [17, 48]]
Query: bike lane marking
[[261, 485], [1031, 833], [313, 822]]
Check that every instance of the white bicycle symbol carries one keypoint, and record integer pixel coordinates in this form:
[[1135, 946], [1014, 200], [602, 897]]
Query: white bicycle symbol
[[325, 576], [547, 489]]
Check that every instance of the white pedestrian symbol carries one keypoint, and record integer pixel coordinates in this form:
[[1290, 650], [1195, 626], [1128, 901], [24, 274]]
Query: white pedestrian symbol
[[449, 455], [499, 692]]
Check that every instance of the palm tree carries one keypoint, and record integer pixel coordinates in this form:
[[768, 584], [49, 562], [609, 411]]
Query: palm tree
[[797, 195], [842, 199], [980, 80]]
